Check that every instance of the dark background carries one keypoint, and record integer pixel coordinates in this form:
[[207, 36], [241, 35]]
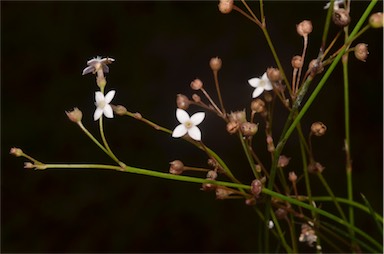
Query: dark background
[[159, 48]]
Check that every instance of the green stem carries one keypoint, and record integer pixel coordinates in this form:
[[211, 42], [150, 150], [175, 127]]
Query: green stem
[[249, 156]]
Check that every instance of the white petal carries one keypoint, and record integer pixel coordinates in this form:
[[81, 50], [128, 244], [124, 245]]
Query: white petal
[[179, 131], [254, 82], [265, 77], [181, 115], [197, 118], [257, 92], [89, 69], [109, 96], [105, 68], [99, 97], [194, 133], [93, 61], [98, 113], [108, 112], [268, 86]]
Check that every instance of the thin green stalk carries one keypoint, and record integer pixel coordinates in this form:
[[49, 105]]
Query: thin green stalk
[[326, 27], [249, 156], [287, 248], [110, 153]]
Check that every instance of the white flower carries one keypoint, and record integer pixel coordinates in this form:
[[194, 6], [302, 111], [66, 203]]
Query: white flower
[[336, 4], [102, 104], [98, 63], [260, 84], [188, 124], [270, 224]]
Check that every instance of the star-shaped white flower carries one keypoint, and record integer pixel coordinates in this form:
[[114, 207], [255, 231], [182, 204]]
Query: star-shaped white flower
[[188, 124], [336, 4], [102, 104], [98, 63], [260, 84]]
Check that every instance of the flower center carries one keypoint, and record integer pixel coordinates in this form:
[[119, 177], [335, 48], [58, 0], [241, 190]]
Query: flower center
[[188, 124], [101, 104], [262, 83]]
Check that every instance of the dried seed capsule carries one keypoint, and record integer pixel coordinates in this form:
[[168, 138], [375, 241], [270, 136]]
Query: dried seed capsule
[[341, 17], [318, 129], [361, 51]]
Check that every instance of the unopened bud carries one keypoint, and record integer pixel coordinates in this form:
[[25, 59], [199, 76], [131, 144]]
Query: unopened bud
[[176, 168], [196, 98], [318, 129], [232, 127], [376, 20], [361, 51], [75, 115], [270, 145], [225, 6], [137, 116], [223, 192], [211, 174], [283, 161], [304, 28], [256, 187], [315, 167], [120, 110], [274, 74], [292, 176], [215, 63], [341, 17], [197, 84], [29, 165], [297, 62], [248, 129], [182, 101], [16, 151]]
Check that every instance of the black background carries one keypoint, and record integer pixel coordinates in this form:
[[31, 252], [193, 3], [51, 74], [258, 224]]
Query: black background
[[159, 48]]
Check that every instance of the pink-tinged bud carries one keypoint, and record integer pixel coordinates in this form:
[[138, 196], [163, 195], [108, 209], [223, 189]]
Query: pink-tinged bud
[[211, 174], [197, 84], [176, 168], [248, 129], [120, 110], [256, 187], [137, 116], [225, 6], [75, 115], [274, 74], [208, 187], [16, 151], [315, 167], [257, 105], [318, 129], [29, 165], [361, 51], [304, 28], [223, 192], [376, 20], [297, 62], [341, 17], [232, 127], [283, 161], [196, 98], [215, 63], [292, 176], [270, 145], [182, 101]]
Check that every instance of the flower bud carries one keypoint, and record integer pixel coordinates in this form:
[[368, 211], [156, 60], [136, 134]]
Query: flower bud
[[176, 168], [315, 167], [215, 63], [232, 127], [196, 98], [297, 62], [274, 74], [248, 129], [304, 28], [318, 129], [292, 176], [361, 51], [197, 84], [341, 17], [120, 110], [75, 115], [376, 20], [225, 6], [256, 187], [270, 145], [182, 101], [211, 174], [29, 165], [257, 105], [222, 192], [16, 151], [208, 187], [283, 161], [137, 116]]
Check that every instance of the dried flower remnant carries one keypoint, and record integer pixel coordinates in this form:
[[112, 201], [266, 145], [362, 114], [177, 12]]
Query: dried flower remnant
[[98, 64], [315, 167], [318, 129], [336, 4], [376, 20], [237, 116], [188, 124], [120, 110], [257, 106], [223, 192], [361, 51], [215, 63], [292, 177], [182, 101], [225, 6], [75, 115], [283, 161], [256, 187], [304, 28], [341, 17], [197, 84], [248, 129], [176, 167], [274, 74], [297, 62], [102, 104], [307, 235], [260, 84]]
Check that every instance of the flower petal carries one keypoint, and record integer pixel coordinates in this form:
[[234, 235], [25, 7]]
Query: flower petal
[[109, 96], [265, 77], [89, 69], [105, 68], [108, 112], [254, 82], [194, 133], [99, 97], [257, 92], [181, 115], [197, 118], [94, 61], [179, 131], [268, 86], [97, 114]]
